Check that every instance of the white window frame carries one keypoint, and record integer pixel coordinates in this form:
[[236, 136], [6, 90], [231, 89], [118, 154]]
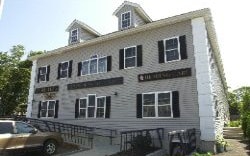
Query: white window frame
[[47, 109], [86, 109], [64, 70], [156, 104], [91, 106], [130, 18], [89, 60], [71, 36], [178, 48], [46, 67], [124, 60], [106, 64], [104, 107], [95, 110]]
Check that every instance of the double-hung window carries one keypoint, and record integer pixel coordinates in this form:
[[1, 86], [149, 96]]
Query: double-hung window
[[93, 66], [130, 57], [47, 109], [93, 107], [64, 70], [43, 74], [74, 35], [100, 107], [158, 104], [172, 49], [83, 108], [126, 20]]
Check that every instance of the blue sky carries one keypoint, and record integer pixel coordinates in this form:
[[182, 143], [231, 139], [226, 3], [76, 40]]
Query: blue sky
[[41, 25]]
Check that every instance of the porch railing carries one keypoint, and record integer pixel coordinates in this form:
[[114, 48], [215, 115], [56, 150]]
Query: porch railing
[[152, 137], [77, 134]]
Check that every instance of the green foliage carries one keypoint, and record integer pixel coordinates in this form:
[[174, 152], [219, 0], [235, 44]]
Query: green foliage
[[234, 105], [14, 80], [236, 123]]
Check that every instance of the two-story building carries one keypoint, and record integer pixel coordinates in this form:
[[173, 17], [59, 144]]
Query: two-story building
[[148, 74]]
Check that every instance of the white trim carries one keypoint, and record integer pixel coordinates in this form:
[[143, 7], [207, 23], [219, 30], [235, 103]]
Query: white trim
[[104, 106], [47, 109], [46, 67], [203, 76], [86, 109], [64, 70], [77, 35], [1, 7], [97, 65], [130, 18], [84, 26], [178, 48], [156, 104], [31, 89], [91, 106], [124, 59], [138, 8]]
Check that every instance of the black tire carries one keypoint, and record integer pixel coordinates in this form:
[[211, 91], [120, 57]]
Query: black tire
[[178, 151], [50, 147]]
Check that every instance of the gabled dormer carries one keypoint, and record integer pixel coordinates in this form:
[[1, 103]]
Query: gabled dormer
[[131, 15], [79, 32]]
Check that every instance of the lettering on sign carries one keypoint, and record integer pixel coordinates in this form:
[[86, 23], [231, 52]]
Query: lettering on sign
[[96, 83], [47, 89], [170, 74]]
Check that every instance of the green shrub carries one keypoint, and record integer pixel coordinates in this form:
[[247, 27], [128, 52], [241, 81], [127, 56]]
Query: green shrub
[[236, 123], [246, 124]]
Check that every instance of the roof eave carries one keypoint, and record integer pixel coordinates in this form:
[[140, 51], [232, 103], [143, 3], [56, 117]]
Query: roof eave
[[155, 24]]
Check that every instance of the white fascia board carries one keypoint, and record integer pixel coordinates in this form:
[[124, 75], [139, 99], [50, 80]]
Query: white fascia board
[[31, 89], [203, 76]]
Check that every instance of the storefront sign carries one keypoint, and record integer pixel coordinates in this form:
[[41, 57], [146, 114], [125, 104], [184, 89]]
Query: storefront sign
[[47, 89], [96, 83], [165, 75]]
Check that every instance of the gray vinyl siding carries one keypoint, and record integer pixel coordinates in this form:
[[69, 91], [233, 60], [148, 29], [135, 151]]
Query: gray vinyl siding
[[136, 19], [123, 106], [83, 34]]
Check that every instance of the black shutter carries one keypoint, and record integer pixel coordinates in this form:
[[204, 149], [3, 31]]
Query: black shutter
[[161, 51], [77, 108], [39, 109], [183, 47], [109, 63], [139, 105], [108, 106], [48, 72], [175, 104], [121, 58], [79, 69], [38, 75], [70, 68], [56, 109], [139, 55], [59, 71]]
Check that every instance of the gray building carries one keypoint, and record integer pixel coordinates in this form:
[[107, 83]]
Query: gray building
[[148, 74]]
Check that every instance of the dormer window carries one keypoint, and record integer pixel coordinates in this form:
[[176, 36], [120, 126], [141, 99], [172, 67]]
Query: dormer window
[[74, 35], [126, 20]]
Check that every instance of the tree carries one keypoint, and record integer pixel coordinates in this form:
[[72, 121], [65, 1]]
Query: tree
[[14, 80]]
